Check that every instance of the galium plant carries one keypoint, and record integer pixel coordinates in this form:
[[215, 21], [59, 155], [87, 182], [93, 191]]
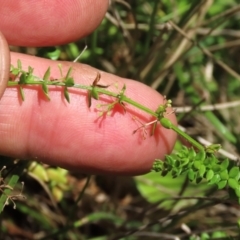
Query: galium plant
[[198, 162]]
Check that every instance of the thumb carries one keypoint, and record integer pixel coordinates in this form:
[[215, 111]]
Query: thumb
[[4, 64]]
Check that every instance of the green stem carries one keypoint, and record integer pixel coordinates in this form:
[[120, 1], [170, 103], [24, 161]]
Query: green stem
[[120, 96], [89, 88], [165, 122], [188, 138]]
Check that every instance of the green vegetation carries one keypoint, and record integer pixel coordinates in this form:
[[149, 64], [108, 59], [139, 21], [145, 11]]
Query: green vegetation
[[187, 50]]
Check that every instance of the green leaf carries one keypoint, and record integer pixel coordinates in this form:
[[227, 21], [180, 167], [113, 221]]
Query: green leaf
[[215, 179], [69, 82], [177, 164], [14, 71], [201, 155], [94, 93], [68, 73], [204, 236], [29, 78], [30, 70], [157, 166], [66, 94], [153, 128], [176, 172], [238, 176], [19, 64], [39, 171], [210, 161], [191, 175], [22, 93], [56, 175], [123, 90], [233, 183], [148, 186], [219, 234], [234, 172], [224, 174], [216, 168], [202, 170], [209, 175], [220, 126], [60, 69], [22, 78], [213, 148], [237, 191], [197, 164], [184, 161], [45, 90], [222, 184], [225, 164], [170, 160], [47, 74], [89, 96], [7, 191], [191, 154], [52, 53]]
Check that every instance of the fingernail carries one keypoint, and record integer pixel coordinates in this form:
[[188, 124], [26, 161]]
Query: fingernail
[[4, 64]]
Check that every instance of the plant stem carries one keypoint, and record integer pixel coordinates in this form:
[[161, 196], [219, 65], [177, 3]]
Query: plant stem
[[188, 138], [89, 88], [122, 98]]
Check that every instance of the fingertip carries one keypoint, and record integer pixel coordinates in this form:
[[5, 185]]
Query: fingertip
[[47, 23], [4, 64], [74, 136]]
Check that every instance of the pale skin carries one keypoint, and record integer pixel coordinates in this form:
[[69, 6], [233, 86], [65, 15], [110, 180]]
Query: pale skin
[[71, 135]]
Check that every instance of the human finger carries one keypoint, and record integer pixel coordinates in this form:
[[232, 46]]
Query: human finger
[[45, 23], [75, 137], [4, 64]]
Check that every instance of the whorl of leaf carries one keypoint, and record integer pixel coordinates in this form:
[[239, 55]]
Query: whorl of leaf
[[201, 166]]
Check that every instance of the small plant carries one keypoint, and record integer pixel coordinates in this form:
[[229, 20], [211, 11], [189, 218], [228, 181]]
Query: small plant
[[7, 188], [198, 162]]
